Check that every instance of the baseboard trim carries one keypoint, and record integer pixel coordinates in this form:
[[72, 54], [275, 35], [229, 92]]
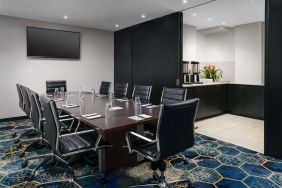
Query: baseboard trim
[[14, 118]]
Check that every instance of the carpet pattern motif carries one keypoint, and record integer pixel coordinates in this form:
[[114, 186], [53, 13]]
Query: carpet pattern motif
[[212, 163]]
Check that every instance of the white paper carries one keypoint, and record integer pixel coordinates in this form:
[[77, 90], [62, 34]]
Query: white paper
[[152, 106], [144, 105], [136, 118], [145, 116], [116, 108], [69, 106], [94, 117], [93, 114]]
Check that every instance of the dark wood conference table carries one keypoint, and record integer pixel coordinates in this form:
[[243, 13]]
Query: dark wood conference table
[[113, 128]]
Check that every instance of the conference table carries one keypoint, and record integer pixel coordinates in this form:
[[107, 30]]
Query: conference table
[[113, 127]]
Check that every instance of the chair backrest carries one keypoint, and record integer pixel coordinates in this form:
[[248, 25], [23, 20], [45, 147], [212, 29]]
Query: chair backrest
[[51, 85], [51, 127], [105, 88], [121, 90], [20, 94], [173, 95], [175, 130], [36, 110], [143, 92], [26, 101]]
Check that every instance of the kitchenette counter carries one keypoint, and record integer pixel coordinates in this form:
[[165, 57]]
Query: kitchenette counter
[[217, 98], [219, 83]]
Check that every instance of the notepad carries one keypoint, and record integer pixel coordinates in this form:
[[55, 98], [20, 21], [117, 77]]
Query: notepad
[[136, 118], [122, 100], [100, 95], [69, 105], [94, 117], [116, 108], [140, 117], [88, 115], [56, 100], [152, 106], [144, 105]]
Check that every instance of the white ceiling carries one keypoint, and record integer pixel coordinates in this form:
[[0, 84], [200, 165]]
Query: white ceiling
[[101, 14], [105, 14], [232, 12]]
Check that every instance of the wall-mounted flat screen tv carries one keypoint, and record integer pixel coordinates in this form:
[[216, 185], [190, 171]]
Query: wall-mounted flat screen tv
[[48, 43]]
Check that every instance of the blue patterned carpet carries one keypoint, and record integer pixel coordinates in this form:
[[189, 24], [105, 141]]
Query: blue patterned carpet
[[212, 163]]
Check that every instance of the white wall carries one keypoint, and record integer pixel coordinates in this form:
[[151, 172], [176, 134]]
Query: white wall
[[189, 43], [218, 49], [249, 53], [96, 63], [238, 51]]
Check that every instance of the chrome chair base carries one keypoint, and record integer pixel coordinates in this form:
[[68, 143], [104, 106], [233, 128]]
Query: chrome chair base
[[162, 183]]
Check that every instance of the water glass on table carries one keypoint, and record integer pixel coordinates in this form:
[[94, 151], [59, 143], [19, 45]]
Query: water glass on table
[[56, 93], [137, 106], [62, 92], [108, 110]]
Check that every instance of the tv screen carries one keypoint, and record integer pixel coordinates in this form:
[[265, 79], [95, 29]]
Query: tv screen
[[48, 43]]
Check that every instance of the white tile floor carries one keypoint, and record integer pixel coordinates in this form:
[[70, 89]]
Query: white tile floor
[[238, 130]]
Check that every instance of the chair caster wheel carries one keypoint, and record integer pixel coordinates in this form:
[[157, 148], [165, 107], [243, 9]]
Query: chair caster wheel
[[154, 178], [24, 164]]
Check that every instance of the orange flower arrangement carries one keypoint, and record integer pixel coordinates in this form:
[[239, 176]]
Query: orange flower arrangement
[[210, 71]]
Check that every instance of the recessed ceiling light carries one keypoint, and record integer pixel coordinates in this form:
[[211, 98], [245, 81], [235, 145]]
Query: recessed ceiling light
[[184, 1], [116, 25], [223, 23], [209, 19], [66, 17], [143, 16], [194, 14]]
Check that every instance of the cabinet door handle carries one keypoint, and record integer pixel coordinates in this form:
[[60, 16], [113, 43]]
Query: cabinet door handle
[[177, 82]]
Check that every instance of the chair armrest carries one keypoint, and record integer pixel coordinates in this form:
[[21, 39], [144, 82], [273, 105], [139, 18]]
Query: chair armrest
[[63, 116], [67, 119], [77, 133], [142, 137], [128, 140]]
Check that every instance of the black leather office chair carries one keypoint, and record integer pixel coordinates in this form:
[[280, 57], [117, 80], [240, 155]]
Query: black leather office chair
[[27, 110], [120, 90], [169, 96], [173, 95], [68, 144], [105, 88], [20, 95], [143, 92], [21, 105], [51, 85], [175, 134]]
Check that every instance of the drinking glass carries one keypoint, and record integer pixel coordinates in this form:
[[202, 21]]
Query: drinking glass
[[137, 106], [108, 110], [93, 95], [82, 105], [67, 98], [56, 93], [62, 92]]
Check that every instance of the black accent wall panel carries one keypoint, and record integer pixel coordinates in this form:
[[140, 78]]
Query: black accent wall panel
[[123, 58], [152, 52], [273, 79]]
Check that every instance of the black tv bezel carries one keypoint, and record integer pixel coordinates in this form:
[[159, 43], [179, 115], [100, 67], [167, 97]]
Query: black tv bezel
[[46, 57]]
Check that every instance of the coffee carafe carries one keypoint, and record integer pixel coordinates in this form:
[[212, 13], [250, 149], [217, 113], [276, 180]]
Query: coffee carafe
[[196, 72]]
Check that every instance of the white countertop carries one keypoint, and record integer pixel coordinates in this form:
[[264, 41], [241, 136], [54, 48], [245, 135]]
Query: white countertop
[[218, 83]]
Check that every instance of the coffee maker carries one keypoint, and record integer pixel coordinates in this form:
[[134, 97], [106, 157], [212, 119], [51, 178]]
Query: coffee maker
[[191, 72], [196, 72], [187, 74]]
